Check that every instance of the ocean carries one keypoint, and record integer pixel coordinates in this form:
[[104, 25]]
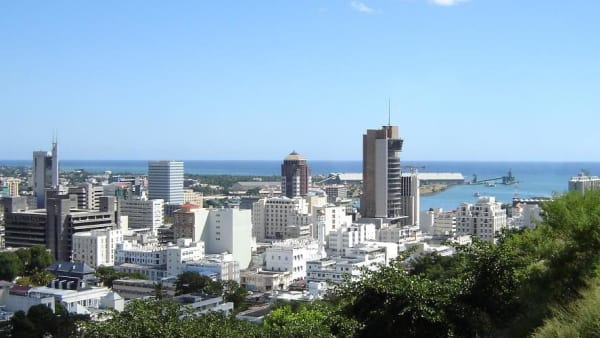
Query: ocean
[[535, 179]]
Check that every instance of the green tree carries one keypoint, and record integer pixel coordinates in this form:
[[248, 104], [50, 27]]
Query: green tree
[[22, 326], [233, 292], [189, 282], [40, 259], [10, 266]]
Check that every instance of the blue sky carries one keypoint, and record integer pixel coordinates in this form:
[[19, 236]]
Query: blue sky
[[200, 80]]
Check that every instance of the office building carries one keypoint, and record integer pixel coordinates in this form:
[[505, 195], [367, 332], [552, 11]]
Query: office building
[[64, 220], [143, 214], [382, 193], [165, 181], [45, 173], [88, 195], [583, 182], [410, 199], [271, 217], [295, 176]]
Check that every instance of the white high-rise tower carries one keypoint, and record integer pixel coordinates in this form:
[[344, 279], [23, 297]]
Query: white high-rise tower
[[165, 181]]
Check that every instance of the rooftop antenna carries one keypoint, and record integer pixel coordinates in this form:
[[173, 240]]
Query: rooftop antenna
[[389, 111]]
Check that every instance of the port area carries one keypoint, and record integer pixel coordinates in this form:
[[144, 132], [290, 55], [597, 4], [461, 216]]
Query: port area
[[431, 189]]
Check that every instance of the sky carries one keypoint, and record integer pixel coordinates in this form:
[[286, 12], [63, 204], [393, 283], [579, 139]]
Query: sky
[[477, 80]]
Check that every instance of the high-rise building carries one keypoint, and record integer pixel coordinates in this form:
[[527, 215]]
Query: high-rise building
[[382, 193], [143, 214], [45, 173], [295, 176], [88, 195], [410, 199], [165, 181]]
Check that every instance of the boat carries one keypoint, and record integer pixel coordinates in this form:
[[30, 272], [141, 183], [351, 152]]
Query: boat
[[490, 184], [476, 194]]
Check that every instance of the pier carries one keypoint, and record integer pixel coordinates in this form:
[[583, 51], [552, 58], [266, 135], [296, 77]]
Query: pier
[[506, 180]]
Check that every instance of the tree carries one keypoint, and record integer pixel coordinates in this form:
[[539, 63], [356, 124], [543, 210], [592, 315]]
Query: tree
[[10, 266], [40, 259], [189, 282], [233, 292], [22, 326]]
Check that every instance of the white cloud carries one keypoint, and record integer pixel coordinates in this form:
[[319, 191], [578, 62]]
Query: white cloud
[[447, 2], [361, 7]]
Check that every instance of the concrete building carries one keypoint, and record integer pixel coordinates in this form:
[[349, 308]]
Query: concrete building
[[410, 199], [45, 173], [292, 255], [221, 266], [381, 196], [192, 197], [336, 192], [23, 227], [483, 219], [81, 301], [272, 216], [265, 281], [222, 230], [165, 181], [15, 298], [198, 304], [142, 288], [395, 234], [88, 195], [583, 182], [335, 270], [330, 218], [350, 236], [143, 214], [12, 184], [63, 221], [295, 176], [154, 260], [96, 248]]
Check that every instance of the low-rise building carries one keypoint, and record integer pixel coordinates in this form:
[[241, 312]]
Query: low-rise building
[[143, 288], [197, 304], [483, 219], [222, 266], [292, 255], [265, 281]]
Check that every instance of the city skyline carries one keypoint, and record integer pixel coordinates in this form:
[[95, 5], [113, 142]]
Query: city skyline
[[467, 80]]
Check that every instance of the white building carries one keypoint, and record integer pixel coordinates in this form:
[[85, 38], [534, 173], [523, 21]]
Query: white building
[[272, 216], [222, 230], [444, 223], [398, 234], [292, 255], [483, 219], [329, 217], [79, 301], [157, 261], [525, 216], [97, 247], [583, 182], [335, 270], [350, 236], [222, 267], [143, 214], [165, 181]]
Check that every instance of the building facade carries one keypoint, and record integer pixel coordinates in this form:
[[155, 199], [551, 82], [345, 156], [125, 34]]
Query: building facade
[[165, 181], [45, 173], [483, 219], [381, 196], [143, 214], [96, 248], [295, 176], [583, 182]]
